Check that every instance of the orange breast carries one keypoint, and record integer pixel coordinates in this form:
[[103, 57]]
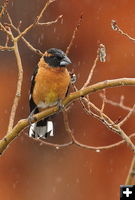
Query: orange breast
[[51, 85]]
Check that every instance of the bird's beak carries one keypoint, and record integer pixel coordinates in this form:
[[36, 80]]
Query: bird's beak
[[65, 61]]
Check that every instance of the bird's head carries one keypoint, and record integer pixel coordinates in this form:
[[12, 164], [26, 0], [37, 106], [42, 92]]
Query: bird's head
[[56, 58]]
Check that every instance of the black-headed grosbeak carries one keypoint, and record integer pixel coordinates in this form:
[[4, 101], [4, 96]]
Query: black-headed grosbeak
[[50, 83]]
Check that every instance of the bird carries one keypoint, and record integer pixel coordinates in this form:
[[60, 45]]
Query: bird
[[50, 83]]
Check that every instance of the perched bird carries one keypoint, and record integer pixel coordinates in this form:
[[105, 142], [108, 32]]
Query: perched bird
[[50, 83]]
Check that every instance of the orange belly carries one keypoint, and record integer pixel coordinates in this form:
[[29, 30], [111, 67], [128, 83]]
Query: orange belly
[[51, 85]]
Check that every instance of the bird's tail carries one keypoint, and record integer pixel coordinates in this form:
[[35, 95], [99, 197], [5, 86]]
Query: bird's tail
[[41, 129]]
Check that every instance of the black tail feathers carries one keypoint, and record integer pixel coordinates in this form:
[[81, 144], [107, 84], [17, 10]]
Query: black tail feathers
[[41, 129]]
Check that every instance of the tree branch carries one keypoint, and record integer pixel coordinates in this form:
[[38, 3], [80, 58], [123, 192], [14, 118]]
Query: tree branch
[[67, 101], [51, 22], [115, 27], [6, 48], [109, 123], [131, 173], [19, 86], [127, 116], [37, 51], [118, 104], [101, 54], [36, 20], [74, 34]]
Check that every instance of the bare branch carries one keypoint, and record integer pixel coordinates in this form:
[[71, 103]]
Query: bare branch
[[37, 51], [99, 148], [57, 146], [127, 116], [103, 103], [67, 101], [100, 55], [66, 122], [74, 141], [6, 48], [121, 105], [131, 173], [7, 41], [43, 10], [91, 72], [18, 90], [115, 27], [111, 125], [51, 22], [74, 34], [118, 104], [36, 20], [9, 33], [6, 31]]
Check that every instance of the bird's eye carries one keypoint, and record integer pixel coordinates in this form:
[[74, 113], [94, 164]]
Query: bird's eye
[[59, 57]]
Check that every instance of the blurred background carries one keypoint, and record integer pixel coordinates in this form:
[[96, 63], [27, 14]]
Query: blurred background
[[29, 170]]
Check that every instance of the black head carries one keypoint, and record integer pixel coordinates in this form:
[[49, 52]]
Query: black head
[[56, 58]]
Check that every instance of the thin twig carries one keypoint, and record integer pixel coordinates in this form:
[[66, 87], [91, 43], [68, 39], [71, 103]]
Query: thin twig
[[103, 102], [6, 48], [74, 141], [6, 31], [57, 146], [36, 20], [115, 27], [20, 75], [111, 125], [131, 173], [37, 51], [43, 10], [127, 116], [74, 34], [91, 73], [66, 122], [118, 104], [121, 105], [51, 22], [101, 54], [99, 148], [18, 90], [7, 41]]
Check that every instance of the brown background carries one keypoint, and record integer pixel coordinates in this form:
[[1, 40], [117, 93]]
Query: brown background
[[31, 171]]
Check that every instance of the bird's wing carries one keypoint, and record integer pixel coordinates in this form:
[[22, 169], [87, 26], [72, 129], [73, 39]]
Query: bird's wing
[[43, 128], [31, 102]]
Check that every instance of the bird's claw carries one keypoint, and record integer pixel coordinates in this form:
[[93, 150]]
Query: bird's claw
[[30, 117], [60, 105]]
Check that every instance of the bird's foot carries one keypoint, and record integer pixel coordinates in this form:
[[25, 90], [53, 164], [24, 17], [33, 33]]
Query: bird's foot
[[60, 105], [30, 117]]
